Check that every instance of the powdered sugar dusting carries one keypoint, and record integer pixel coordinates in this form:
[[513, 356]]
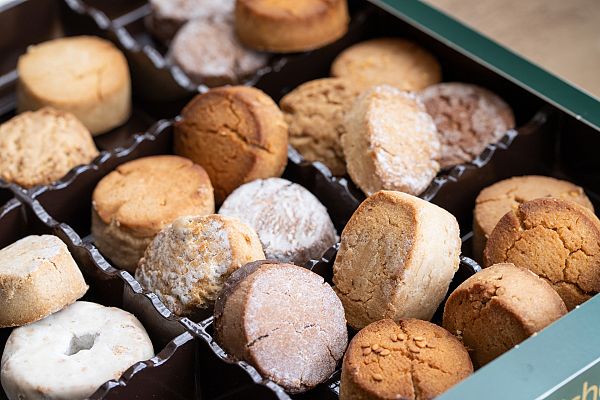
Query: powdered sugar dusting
[[190, 9]]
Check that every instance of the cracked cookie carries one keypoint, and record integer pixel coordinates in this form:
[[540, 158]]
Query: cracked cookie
[[468, 118], [390, 142], [40, 147], [498, 308], [291, 223], [409, 359], [38, 277], [397, 256], [188, 262], [392, 61], [237, 134], [557, 239], [283, 26], [284, 320], [84, 75], [139, 198], [315, 113], [214, 62], [501, 197], [167, 16]]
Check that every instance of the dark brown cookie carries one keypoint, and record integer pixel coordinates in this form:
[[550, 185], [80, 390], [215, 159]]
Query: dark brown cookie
[[211, 61], [284, 320], [468, 118]]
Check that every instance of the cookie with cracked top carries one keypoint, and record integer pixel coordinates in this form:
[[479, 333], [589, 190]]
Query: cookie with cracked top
[[284, 320], [237, 134], [408, 359], [315, 114], [468, 118], [498, 308], [557, 239]]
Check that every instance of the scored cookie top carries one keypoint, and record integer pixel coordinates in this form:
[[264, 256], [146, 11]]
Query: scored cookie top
[[146, 194]]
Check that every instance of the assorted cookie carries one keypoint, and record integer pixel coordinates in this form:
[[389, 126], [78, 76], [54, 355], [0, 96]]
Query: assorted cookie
[[390, 142], [233, 123], [407, 359], [557, 239], [69, 354], [40, 147], [284, 320], [498, 308], [139, 198], [501, 197], [315, 112], [293, 226], [290, 26], [397, 256], [188, 262], [468, 118], [38, 277], [391, 61], [84, 75]]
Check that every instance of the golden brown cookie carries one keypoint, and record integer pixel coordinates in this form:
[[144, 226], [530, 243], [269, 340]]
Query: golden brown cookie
[[468, 118], [315, 114], [393, 61], [498, 308], [40, 147], [557, 239], [84, 75], [501, 197], [138, 199], [390, 142], [397, 256], [410, 359], [237, 134], [283, 26]]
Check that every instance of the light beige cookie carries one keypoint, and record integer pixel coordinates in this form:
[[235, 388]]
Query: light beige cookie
[[134, 202], [188, 262], [409, 359], [393, 61], [496, 200], [390, 142], [283, 26], [38, 277], [315, 114], [397, 256], [84, 75], [498, 308], [559, 240], [40, 147]]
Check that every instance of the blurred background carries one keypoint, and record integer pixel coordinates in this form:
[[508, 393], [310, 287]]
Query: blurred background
[[563, 36]]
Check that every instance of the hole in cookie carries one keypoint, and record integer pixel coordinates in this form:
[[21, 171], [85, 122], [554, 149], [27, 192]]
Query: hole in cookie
[[79, 343]]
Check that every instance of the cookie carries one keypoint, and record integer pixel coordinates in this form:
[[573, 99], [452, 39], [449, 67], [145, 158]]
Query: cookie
[[237, 134], [315, 114], [390, 142], [139, 198], [501, 197], [293, 226], [214, 62], [188, 262], [498, 308], [397, 256], [468, 118], [40, 147], [392, 61], [285, 321], [409, 359], [84, 75], [559, 240], [38, 277], [167, 16], [290, 26]]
